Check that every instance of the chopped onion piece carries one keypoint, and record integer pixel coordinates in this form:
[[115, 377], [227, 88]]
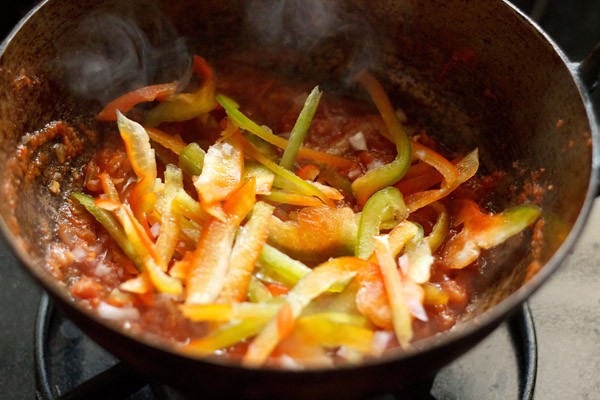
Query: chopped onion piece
[[107, 311]]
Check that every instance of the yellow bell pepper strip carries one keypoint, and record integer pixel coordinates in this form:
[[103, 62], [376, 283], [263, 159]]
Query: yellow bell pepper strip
[[248, 246], [384, 206], [401, 317], [169, 226], [466, 168], [332, 330], [223, 312], [243, 122], [295, 182], [221, 176], [171, 142], [484, 231], [191, 159], [317, 234], [264, 177], [434, 295], [283, 196], [300, 129], [224, 336], [184, 106], [318, 281], [440, 230], [145, 251], [208, 264], [129, 100], [142, 159], [111, 224], [388, 174], [278, 265]]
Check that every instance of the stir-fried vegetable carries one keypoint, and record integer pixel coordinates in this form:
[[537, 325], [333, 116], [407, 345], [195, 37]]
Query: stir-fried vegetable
[[273, 250]]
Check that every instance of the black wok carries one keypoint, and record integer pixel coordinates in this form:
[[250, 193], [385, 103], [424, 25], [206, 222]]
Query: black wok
[[474, 73]]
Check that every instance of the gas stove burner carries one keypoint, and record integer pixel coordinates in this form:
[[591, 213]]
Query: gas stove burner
[[70, 366]]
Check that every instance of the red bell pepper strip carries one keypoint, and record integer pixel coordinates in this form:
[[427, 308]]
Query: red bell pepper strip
[[388, 174], [484, 231], [184, 106], [129, 100]]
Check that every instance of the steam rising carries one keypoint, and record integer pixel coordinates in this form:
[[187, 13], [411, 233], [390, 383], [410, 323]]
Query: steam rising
[[111, 54]]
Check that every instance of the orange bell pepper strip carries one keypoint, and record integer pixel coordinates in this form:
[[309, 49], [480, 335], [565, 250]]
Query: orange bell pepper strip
[[184, 106], [484, 231], [441, 164], [393, 282], [246, 251], [129, 100], [208, 264], [466, 168], [318, 281], [220, 176], [142, 159]]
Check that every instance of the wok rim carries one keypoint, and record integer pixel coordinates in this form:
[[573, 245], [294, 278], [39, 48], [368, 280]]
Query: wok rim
[[491, 317]]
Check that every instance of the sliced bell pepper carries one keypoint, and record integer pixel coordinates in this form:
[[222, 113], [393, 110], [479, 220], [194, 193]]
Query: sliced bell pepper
[[484, 231], [142, 159], [191, 159], [129, 100], [246, 251], [401, 317], [466, 168], [242, 121], [318, 281], [171, 142], [384, 206], [223, 312], [208, 264], [441, 228], [295, 182], [441, 164], [297, 199], [169, 226], [184, 106], [264, 177], [111, 224], [388, 174], [280, 266], [221, 176], [317, 234], [300, 129], [257, 291]]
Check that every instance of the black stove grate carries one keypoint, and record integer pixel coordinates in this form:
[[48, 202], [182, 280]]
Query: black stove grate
[[113, 379]]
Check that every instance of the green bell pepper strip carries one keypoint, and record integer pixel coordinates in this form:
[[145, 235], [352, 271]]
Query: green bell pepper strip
[[300, 129], [280, 266], [383, 206], [388, 174], [441, 228], [191, 159], [111, 224], [243, 122]]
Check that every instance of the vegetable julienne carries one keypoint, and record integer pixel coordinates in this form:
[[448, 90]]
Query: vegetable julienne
[[265, 249]]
